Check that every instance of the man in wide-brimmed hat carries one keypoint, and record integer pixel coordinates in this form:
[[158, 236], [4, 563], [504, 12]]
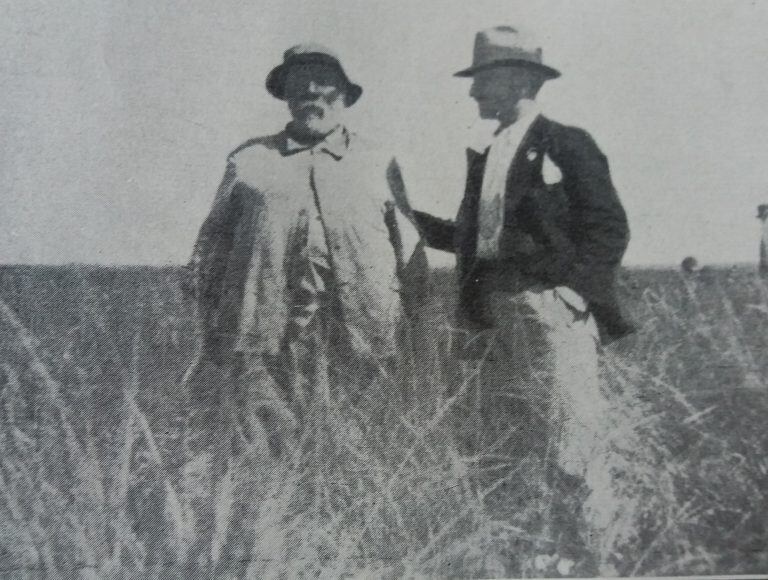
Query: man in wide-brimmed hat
[[538, 238], [304, 270]]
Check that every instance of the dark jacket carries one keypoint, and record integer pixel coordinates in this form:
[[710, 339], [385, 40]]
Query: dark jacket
[[572, 233]]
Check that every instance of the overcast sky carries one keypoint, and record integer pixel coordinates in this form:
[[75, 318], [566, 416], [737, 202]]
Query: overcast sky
[[116, 117]]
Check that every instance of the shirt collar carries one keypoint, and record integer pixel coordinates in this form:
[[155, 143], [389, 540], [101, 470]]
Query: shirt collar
[[335, 144]]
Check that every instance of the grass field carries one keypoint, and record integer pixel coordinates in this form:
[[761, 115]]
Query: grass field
[[93, 483]]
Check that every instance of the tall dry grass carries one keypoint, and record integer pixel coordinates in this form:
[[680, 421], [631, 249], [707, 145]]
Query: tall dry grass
[[94, 483]]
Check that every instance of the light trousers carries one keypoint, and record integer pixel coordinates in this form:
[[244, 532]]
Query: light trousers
[[539, 387]]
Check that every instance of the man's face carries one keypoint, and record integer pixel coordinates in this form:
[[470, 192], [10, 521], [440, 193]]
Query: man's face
[[316, 98], [498, 91]]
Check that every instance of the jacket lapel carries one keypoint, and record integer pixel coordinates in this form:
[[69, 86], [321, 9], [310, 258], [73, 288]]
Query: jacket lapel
[[526, 165], [475, 170], [523, 172], [467, 221]]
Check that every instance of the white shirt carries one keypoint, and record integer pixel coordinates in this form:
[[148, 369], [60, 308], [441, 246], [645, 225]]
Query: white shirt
[[502, 151]]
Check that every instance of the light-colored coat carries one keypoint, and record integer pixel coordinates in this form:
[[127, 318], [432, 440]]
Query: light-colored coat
[[277, 200]]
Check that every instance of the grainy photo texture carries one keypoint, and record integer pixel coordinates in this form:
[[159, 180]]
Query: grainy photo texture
[[383, 290]]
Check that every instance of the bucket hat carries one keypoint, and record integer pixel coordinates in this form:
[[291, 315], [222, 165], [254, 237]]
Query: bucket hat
[[303, 54]]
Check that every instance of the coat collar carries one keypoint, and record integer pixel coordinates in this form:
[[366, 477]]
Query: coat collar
[[531, 151], [336, 144], [532, 144]]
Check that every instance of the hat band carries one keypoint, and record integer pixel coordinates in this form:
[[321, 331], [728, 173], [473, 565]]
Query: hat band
[[511, 62]]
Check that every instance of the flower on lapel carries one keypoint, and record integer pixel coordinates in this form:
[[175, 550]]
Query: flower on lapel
[[550, 172], [531, 154]]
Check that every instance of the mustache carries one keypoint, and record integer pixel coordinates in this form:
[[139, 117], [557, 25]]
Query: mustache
[[311, 105]]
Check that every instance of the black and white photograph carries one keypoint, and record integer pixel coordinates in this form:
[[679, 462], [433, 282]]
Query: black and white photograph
[[383, 289]]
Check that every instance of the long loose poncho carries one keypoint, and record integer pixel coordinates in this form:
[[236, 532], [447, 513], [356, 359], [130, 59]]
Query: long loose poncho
[[282, 205]]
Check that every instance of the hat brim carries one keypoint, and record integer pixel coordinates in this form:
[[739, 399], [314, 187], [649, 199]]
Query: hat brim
[[547, 72], [276, 77]]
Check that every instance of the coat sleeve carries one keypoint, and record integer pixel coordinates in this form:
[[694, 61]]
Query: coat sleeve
[[214, 239], [598, 224]]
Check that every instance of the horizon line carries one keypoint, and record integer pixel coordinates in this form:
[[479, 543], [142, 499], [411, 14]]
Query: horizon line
[[118, 265]]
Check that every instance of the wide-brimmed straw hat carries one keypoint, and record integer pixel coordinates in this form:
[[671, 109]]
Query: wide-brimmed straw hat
[[303, 54], [507, 46]]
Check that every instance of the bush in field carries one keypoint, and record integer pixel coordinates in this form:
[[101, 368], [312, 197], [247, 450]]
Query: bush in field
[[91, 449]]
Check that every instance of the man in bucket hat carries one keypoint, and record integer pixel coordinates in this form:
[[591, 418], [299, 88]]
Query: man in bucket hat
[[538, 238], [304, 271]]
